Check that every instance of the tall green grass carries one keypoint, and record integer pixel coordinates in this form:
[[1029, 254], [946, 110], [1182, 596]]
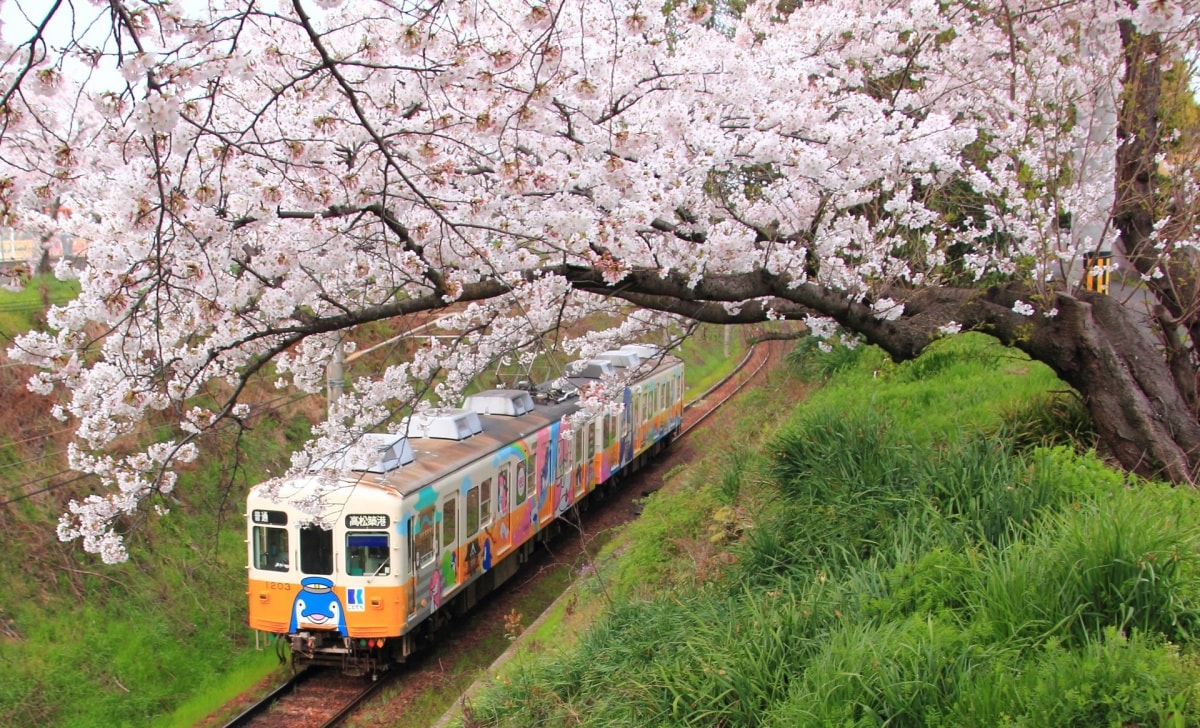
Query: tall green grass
[[25, 308], [123, 645], [912, 560], [1126, 561]]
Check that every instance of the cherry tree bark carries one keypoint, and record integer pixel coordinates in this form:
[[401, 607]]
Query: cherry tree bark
[[1115, 363]]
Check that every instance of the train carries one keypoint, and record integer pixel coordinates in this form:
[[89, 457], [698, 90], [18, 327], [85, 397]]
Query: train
[[357, 563]]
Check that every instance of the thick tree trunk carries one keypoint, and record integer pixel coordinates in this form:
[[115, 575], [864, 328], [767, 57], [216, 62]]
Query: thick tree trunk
[[1137, 376], [1112, 358]]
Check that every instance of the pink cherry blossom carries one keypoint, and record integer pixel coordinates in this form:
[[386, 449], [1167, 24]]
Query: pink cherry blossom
[[268, 180]]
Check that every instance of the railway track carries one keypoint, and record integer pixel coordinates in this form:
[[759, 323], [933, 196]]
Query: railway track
[[323, 698], [313, 698], [699, 409]]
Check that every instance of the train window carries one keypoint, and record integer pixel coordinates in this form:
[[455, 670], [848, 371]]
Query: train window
[[270, 548], [522, 476], [316, 550], [422, 535], [367, 553], [485, 502], [564, 460], [502, 487], [472, 511], [450, 523]]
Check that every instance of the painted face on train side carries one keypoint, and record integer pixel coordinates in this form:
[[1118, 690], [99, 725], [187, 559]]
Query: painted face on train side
[[317, 607]]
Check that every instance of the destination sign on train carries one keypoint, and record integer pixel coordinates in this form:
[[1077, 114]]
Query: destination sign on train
[[275, 518], [367, 520]]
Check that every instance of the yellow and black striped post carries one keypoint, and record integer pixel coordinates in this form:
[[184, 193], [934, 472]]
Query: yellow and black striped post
[[1093, 280]]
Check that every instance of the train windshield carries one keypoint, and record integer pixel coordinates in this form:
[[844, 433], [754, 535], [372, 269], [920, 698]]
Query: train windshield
[[367, 554], [270, 548], [316, 550]]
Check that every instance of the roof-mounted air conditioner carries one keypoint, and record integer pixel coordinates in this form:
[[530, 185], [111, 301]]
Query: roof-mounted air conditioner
[[507, 402], [443, 424], [375, 452]]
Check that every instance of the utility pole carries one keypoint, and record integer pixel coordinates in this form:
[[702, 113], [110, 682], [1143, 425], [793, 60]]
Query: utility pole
[[335, 376], [335, 371], [1096, 157]]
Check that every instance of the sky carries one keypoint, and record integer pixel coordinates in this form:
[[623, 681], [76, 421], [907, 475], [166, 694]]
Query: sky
[[21, 17], [90, 18]]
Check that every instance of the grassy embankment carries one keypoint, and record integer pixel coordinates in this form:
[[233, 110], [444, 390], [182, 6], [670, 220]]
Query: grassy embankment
[[85, 644], [160, 640], [922, 544]]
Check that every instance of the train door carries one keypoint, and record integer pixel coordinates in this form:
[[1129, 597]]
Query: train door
[[504, 486], [479, 501], [625, 429], [610, 450], [561, 492], [590, 451], [448, 545], [525, 489], [637, 420], [422, 549], [677, 401], [505, 490], [583, 438]]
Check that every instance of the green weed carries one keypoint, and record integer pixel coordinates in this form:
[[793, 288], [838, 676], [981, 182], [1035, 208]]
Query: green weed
[[912, 561], [812, 362], [1124, 561], [1048, 419]]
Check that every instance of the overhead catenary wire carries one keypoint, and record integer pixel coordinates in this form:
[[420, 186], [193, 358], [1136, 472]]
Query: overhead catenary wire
[[290, 399]]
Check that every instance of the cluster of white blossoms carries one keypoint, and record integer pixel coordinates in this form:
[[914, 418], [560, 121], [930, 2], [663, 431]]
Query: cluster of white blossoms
[[270, 180], [887, 309], [1022, 308]]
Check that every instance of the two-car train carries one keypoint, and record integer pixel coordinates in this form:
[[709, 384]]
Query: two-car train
[[443, 513]]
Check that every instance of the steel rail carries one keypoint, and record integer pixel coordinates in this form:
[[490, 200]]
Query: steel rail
[[243, 719], [736, 370], [362, 697]]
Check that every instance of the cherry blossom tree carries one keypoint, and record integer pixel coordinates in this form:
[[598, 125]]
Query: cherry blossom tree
[[266, 177]]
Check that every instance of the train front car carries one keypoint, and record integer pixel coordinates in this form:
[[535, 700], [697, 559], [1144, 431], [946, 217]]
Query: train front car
[[322, 551]]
